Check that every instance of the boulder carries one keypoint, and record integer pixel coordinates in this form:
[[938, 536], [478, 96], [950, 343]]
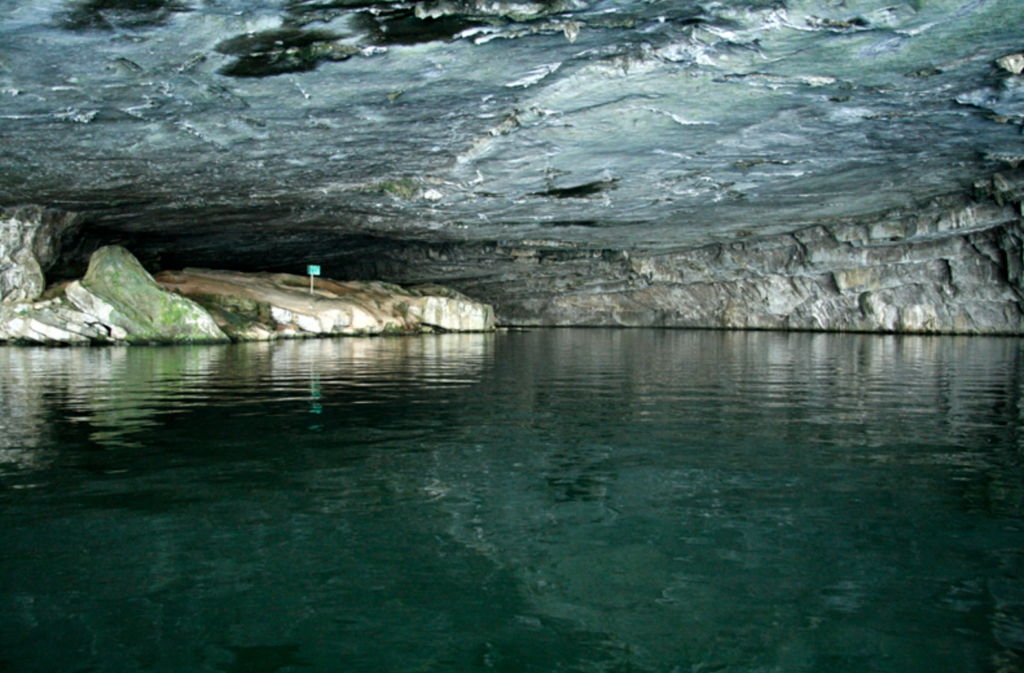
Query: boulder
[[123, 296], [116, 302]]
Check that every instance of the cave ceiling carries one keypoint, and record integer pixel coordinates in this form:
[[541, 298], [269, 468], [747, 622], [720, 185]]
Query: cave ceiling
[[254, 133]]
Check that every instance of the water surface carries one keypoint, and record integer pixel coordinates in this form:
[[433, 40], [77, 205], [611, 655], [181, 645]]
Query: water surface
[[553, 500]]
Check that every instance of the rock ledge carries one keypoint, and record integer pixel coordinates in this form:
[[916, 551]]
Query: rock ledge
[[118, 301], [262, 306]]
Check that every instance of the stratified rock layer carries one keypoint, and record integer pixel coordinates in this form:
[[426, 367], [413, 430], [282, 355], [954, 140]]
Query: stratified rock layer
[[260, 306], [953, 266], [116, 301], [30, 241], [957, 273], [119, 302]]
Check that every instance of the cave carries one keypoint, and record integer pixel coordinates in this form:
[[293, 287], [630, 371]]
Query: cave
[[674, 336], [761, 164]]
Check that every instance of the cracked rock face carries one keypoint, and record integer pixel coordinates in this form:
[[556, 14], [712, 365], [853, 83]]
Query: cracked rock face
[[30, 241], [458, 141]]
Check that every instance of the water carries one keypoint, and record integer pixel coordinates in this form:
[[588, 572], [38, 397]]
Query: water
[[554, 500]]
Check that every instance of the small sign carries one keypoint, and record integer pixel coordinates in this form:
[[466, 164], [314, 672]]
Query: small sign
[[313, 270]]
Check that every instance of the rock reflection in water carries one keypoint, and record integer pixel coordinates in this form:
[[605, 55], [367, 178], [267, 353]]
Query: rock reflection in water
[[119, 392], [751, 501], [589, 500]]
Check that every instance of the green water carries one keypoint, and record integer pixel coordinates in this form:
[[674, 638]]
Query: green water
[[553, 500]]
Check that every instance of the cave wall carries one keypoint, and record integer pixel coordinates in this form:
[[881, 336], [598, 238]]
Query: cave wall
[[953, 265], [31, 240], [827, 278]]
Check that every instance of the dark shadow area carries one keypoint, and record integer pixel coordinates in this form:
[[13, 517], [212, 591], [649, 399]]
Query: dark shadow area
[[264, 658], [276, 52], [579, 191], [304, 12], [112, 15], [405, 28]]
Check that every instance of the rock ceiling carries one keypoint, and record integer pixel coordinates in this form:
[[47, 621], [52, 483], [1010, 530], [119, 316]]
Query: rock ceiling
[[256, 134]]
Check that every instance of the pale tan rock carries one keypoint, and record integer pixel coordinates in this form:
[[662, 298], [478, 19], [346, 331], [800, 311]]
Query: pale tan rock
[[865, 278], [919, 318], [266, 306]]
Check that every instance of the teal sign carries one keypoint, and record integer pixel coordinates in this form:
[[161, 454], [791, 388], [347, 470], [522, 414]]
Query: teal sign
[[313, 270]]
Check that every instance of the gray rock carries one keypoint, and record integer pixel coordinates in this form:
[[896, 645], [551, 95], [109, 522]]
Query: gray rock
[[118, 301], [122, 295], [931, 276], [319, 132], [30, 242]]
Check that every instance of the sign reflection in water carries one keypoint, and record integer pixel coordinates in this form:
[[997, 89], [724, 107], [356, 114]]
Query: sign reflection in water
[[548, 500]]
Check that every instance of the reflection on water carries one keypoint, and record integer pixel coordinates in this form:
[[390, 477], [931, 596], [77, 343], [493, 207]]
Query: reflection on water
[[588, 500], [120, 392]]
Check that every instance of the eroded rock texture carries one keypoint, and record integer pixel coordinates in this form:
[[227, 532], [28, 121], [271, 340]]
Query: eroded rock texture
[[841, 277], [30, 242], [952, 266], [118, 301], [570, 161], [262, 306]]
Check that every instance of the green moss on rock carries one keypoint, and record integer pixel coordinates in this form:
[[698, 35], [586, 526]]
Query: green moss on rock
[[404, 188], [140, 306]]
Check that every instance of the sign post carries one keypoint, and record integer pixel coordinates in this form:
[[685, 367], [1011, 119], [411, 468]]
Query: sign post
[[312, 270]]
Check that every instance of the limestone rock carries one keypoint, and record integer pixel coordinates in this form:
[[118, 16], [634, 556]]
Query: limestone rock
[[55, 321], [949, 273], [264, 306], [44, 323], [122, 295], [203, 136], [118, 301], [1012, 63], [30, 240]]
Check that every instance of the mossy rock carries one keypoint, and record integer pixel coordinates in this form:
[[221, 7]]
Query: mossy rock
[[242, 307], [239, 317], [141, 307], [403, 188]]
